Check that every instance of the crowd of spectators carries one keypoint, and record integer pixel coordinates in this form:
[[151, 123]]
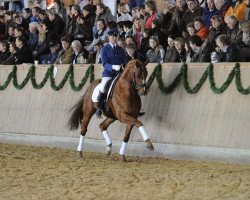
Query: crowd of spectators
[[184, 31]]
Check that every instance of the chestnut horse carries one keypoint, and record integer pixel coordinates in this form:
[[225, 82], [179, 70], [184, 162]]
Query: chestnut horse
[[125, 105]]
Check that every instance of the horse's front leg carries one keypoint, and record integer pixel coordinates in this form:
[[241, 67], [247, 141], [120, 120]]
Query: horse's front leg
[[104, 126], [129, 128], [125, 118]]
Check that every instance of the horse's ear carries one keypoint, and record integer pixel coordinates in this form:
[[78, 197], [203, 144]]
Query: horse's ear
[[138, 63]]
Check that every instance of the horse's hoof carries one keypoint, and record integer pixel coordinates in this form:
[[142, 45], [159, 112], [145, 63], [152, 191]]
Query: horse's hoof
[[150, 146], [108, 150], [80, 157], [123, 159]]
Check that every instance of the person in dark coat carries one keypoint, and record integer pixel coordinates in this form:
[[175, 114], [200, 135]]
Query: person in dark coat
[[196, 45], [4, 53], [132, 53], [113, 57], [12, 59], [57, 22], [228, 50], [88, 12], [24, 53]]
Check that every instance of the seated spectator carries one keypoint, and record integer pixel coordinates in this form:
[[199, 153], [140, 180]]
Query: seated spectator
[[237, 9], [202, 30], [44, 17], [171, 52], [57, 22], [27, 15], [217, 28], [227, 50], [65, 55], [24, 52], [35, 15], [12, 59], [82, 33], [156, 53], [80, 54], [156, 31], [137, 31], [121, 42], [11, 34], [8, 18], [95, 56], [190, 30], [208, 12], [101, 33], [180, 47], [89, 15], [33, 35], [103, 12], [135, 13], [120, 29], [21, 23], [130, 39], [123, 10], [245, 27], [222, 6], [132, 53], [50, 58], [2, 28], [199, 55], [60, 10], [145, 42], [234, 32], [18, 31], [143, 14], [71, 26], [127, 28], [150, 7], [4, 53]]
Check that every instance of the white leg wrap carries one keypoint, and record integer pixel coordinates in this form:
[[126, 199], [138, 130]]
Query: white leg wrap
[[107, 138], [123, 148], [80, 145], [143, 133]]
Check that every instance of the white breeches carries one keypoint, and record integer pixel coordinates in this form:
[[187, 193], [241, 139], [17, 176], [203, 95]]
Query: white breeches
[[103, 83]]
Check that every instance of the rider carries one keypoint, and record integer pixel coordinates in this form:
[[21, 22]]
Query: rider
[[112, 57]]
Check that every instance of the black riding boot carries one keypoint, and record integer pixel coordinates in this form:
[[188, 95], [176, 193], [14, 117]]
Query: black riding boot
[[100, 98]]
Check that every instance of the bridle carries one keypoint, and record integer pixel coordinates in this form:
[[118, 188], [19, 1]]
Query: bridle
[[138, 86]]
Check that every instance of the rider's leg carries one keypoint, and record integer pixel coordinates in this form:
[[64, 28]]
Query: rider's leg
[[101, 96]]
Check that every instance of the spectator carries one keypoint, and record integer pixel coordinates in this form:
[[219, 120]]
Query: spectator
[[137, 31], [228, 51], [143, 14], [222, 6], [88, 12], [247, 16], [208, 12], [57, 22], [52, 56], [245, 27], [33, 35], [180, 47], [11, 34], [124, 12], [80, 54], [150, 7], [18, 31], [4, 53], [132, 52], [24, 53], [135, 13], [95, 56], [237, 9], [156, 53], [65, 55], [103, 12], [76, 12], [145, 42], [60, 10], [171, 52], [217, 28], [35, 15], [12, 59], [202, 30], [234, 32], [20, 22], [127, 28], [27, 15], [199, 55], [130, 39]]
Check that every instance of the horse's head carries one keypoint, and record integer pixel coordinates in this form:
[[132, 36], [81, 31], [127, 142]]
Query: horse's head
[[137, 75]]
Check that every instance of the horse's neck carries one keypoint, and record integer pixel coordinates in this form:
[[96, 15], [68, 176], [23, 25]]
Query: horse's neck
[[127, 87]]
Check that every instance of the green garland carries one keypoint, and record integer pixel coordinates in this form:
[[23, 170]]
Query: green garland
[[156, 74]]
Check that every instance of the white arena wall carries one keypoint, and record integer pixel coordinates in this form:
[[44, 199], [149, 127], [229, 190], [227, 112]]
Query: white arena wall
[[204, 125]]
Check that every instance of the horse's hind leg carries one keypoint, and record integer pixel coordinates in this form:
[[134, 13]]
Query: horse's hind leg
[[104, 126], [125, 118], [88, 113], [129, 128]]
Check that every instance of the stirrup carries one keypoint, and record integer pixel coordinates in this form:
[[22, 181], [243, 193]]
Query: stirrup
[[98, 114]]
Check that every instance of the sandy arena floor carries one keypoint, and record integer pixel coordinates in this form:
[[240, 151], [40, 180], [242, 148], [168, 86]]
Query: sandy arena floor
[[28, 172]]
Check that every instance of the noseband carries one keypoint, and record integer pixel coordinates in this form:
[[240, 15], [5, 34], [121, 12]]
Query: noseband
[[135, 85]]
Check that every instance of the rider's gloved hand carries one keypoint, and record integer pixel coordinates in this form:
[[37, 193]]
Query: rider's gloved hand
[[116, 67]]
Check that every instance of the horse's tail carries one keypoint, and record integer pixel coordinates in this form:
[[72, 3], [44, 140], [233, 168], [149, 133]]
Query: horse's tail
[[77, 114]]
